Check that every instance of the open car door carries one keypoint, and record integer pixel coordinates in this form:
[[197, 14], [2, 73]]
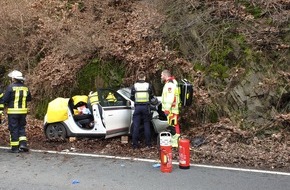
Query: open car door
[[117, 114]]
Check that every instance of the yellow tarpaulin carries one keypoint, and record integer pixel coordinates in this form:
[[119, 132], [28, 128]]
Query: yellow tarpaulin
[[80, 98], [57, 110], [77, 99]]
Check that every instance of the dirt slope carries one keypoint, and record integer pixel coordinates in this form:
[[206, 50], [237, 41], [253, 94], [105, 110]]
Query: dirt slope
[[125, 31]]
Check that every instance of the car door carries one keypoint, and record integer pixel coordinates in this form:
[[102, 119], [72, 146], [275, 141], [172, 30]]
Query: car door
[[117, 114]]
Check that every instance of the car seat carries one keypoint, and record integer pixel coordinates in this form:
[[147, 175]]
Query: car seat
[[83, 120]]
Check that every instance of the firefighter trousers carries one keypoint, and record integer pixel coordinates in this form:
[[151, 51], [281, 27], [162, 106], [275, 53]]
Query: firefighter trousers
[[16, 126]]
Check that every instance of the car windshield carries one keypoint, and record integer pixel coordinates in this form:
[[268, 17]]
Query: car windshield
[[125, 91]]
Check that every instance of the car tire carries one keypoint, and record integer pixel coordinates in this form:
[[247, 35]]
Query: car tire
[[55, 131]]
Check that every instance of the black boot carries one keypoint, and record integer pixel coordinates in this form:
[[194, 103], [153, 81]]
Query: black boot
[[23, 146], [14, 149]]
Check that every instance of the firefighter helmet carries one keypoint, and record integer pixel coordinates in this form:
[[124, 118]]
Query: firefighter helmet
[[16, 75]]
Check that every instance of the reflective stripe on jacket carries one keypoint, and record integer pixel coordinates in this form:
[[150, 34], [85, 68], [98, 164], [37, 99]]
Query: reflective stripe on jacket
[[94, 98], [141, 92], [16, 96], [1, 103], [170, 96]]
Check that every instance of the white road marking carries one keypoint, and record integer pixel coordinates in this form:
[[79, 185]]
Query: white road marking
[[67, 152]]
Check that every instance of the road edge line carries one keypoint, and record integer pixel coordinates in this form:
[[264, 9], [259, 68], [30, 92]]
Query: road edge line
[[154, 161]]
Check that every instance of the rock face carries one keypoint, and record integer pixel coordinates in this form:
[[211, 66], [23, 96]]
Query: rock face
[[248, 100], [254, 101]]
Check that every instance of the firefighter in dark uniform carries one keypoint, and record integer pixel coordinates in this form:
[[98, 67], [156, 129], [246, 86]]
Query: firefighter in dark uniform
[[141, 93], [16, 97], [1, 105]]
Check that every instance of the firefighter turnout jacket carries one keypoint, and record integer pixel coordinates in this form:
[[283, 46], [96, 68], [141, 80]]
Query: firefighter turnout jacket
[[16, 96], [170, 96]]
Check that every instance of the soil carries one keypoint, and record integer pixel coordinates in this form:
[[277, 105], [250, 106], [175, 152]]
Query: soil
[[219, 144]]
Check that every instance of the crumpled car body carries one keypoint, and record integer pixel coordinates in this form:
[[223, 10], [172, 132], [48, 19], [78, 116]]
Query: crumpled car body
[[109, 117]]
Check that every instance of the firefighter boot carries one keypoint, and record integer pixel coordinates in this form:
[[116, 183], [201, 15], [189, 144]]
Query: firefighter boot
[[23, 146], [14, 149], [174, 140]]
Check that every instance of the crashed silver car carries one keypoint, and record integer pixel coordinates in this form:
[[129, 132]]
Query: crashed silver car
[[110, 114]]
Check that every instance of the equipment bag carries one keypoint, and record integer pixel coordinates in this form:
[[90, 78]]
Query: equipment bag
[[186, 92]]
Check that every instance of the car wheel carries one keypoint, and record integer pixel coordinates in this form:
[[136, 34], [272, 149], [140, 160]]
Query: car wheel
[[55, 131]]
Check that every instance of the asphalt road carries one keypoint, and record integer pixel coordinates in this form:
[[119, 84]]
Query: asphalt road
[[50, 171]]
